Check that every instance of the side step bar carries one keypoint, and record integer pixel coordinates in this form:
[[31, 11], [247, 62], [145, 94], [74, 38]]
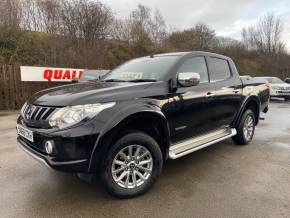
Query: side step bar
[[194, 144]]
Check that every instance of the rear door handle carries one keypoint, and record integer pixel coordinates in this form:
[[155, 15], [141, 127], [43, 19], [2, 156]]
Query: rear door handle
[[236, 91], [210, 94]]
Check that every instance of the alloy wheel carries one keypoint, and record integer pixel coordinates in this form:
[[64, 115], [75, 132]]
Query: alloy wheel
[[132, 166], [248, 128]]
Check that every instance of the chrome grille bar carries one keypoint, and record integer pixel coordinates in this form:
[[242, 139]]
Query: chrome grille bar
[[44, 113], [36, 112]]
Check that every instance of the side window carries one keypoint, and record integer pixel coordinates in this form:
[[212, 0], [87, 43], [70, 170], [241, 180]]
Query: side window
[[220, 69], [197, 65]]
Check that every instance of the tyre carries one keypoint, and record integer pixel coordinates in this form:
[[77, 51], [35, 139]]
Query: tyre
[[132, 165], [245, 129]]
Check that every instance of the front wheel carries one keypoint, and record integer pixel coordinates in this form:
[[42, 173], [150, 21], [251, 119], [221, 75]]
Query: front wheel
[[245, 129], [132, 165]]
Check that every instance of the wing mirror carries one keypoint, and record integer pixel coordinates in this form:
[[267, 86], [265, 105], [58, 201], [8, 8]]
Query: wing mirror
[[188, 79]]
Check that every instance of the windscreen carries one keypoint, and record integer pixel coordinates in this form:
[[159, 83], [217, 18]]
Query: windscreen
[[93, 74], [146, 68]]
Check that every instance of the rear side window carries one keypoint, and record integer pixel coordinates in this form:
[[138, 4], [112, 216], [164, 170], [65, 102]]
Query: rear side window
[[197, 65], [220, 69]]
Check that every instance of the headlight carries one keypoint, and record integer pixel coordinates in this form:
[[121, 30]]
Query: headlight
[[71, 115]]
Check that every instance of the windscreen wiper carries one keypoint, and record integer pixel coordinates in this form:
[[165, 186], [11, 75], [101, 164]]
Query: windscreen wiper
[[143, 80], [113, 80]]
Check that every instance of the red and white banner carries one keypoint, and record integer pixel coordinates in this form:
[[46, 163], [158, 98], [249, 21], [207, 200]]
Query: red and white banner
[[50, 74]]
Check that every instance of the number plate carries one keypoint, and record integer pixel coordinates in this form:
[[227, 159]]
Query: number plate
[[26, 133]]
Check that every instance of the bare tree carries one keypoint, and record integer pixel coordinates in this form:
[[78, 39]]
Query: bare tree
[[10, 13], [179, 41], [121, 30], [49, 15], [31, 16], [158, 30], [203, 36], [199, 37], [141, 16], [85, 19], [265, 36], [141, 23]]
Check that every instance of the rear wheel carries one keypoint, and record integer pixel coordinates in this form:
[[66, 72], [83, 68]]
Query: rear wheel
[[132, 165], [245, 129]]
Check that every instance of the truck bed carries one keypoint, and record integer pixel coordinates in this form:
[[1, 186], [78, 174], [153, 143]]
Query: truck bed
[[262, 90]]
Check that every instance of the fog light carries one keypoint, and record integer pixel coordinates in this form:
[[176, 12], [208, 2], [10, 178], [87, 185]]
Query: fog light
[[49, 146]]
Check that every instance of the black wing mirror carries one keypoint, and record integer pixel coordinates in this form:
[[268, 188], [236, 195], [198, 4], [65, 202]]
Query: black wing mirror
[[188, 79]]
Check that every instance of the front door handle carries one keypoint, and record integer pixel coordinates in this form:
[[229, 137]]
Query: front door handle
[[236, 91], [210, 95]]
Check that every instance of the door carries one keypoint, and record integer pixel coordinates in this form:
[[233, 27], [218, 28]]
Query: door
[[193, 105], [228, 90]]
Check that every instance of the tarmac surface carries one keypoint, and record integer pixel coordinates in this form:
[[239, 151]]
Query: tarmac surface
[[223, 180]]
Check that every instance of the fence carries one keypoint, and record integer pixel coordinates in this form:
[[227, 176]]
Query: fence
[[14, 92]]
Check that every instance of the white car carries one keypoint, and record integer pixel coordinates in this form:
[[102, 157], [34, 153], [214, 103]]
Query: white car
[[278, 88]]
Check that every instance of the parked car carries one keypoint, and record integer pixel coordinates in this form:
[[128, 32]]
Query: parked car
[[287, 80], [278, 88], [247, 77], [142, 113]]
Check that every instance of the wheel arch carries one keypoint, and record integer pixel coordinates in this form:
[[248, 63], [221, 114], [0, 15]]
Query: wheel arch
[[152, 123], [253, 103]]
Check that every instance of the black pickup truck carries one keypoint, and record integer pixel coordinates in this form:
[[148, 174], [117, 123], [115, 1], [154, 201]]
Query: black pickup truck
[[125, 126]]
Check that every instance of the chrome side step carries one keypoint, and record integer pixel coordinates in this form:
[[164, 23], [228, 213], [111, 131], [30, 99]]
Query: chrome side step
[[194, 144]]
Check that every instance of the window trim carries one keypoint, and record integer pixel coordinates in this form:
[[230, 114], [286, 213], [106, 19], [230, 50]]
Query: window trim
[[206, 64], [230, 68]]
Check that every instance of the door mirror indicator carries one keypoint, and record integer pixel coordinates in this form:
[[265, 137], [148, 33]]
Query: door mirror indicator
[[188, 79]]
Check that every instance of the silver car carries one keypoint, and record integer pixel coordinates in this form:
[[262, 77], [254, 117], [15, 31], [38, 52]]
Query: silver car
[[278, 88]]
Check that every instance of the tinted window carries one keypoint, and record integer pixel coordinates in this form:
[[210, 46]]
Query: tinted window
[[197, 65], [221, 69]]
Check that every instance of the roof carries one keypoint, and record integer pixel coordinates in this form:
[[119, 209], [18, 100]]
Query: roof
[[191, 53]]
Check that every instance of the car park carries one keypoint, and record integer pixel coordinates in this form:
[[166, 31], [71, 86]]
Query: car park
[[126, 125], [278, 88]]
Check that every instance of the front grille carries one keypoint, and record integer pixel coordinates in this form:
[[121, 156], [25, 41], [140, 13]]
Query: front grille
[[36, 113]]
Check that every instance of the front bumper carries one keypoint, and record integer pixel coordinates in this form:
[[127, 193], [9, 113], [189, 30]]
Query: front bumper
[[80, 165], [280, 93], [72, 147]]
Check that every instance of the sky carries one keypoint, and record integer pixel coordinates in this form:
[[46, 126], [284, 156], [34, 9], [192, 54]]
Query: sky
[[226, 17]]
